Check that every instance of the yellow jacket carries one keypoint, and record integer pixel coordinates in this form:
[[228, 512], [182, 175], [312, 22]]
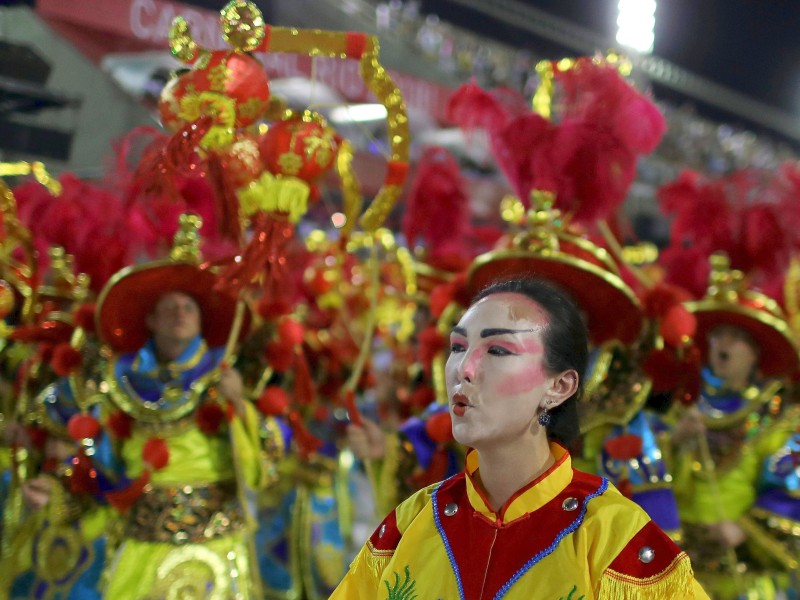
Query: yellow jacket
[[566, 536]]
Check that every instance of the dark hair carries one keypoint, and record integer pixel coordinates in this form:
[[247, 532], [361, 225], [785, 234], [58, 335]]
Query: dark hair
[[565, 344]]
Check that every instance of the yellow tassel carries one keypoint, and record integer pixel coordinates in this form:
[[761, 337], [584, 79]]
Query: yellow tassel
[[280, 194], [673, 582]]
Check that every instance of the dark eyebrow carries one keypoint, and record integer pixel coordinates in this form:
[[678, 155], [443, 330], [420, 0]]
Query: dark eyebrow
[[459, 331], [491, 332]]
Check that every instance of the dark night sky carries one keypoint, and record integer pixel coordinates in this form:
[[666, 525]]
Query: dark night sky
[[752, 46]]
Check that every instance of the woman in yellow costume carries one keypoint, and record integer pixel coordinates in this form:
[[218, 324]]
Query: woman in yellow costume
[[519, 522]]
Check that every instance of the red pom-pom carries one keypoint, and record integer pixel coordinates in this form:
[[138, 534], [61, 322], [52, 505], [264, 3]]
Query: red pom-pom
[[65, 359], [678, 326], [155, 453], [439, 427], [82, 426], [624, 447], [120, 424], [84, 316], [279, 357], [290, 332], [273, 401], [209, 417]]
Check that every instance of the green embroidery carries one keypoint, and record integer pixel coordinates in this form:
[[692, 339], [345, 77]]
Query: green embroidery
[[571, 595], [404, 591]]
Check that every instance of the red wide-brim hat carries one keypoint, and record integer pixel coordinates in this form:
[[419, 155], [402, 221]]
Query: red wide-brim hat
[[132, 293], [612, 310], [779, 354]]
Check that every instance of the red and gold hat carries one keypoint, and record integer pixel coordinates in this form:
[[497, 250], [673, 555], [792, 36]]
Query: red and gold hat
[[729, 302], [131, 294], [546, 248]]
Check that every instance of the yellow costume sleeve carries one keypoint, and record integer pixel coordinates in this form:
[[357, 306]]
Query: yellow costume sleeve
[[366, 571], [245, 440]]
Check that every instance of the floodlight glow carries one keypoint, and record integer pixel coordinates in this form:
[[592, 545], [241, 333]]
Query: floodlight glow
[[358, 113], [636, 23]]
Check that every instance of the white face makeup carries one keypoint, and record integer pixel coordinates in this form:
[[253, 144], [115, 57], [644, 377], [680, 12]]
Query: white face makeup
[[496, 379]]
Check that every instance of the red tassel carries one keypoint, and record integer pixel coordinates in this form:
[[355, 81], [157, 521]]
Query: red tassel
[[352, 409], [265, 254], [307, 444], [303, 384], [122, 500], [84, 477]]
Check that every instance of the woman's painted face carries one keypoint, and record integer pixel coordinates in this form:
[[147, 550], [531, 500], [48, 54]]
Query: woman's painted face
[[496, 380]]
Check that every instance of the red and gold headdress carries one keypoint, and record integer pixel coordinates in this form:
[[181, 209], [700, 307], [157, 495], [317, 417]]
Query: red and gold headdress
[[729, 302]]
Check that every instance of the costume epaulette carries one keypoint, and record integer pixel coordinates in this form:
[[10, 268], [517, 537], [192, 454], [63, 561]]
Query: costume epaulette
[[650, 566]]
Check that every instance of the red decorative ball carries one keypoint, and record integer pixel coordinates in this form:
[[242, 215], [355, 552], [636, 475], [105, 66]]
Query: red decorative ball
[[82, 426], [290, 332], [678, 326], [155, 453], [7, 300], [301, 146], [439, 427], [273, 401], [242, 160], [169, 105]]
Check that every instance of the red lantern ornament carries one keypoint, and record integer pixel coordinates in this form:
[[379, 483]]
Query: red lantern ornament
[[81, 426], [302, 146], [224, 75]]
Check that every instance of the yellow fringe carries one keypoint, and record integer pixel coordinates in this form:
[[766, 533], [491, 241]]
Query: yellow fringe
[[374, 564], [673, 582]]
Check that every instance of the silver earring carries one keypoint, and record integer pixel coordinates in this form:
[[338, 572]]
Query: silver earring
[[545, 418]]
